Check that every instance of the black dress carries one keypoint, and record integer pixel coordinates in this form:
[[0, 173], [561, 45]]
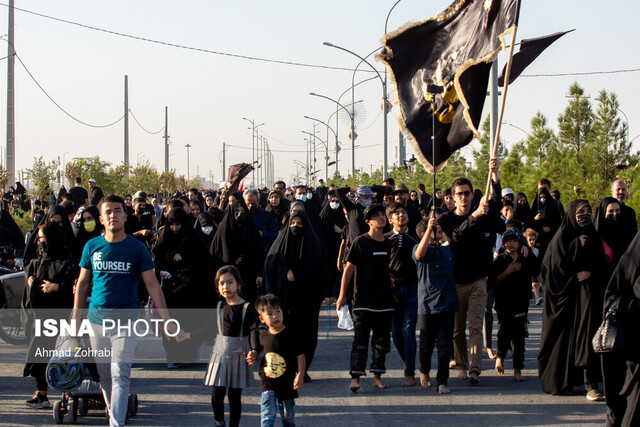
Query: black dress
[[239, 238], [572, 309], [301, 252], [621, 371]]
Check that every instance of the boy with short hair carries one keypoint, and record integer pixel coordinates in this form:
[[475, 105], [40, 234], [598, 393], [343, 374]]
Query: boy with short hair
[[510, 277], [368, 259], [404, 282], [283, 365], [437, 300]]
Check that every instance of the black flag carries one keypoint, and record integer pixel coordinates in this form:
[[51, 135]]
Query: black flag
[[530, 49], [450, 54]]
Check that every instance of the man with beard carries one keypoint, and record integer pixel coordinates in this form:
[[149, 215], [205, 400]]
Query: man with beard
[[619, 191]]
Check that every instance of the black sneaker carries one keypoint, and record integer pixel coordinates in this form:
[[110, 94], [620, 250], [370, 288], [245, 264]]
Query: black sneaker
[[38, 401]]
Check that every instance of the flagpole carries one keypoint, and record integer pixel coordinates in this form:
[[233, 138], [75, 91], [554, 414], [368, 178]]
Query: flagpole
[[494, 148]]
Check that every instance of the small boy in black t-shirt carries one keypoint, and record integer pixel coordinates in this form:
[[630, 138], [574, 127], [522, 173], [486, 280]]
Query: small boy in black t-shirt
[[283, 365], [510, 277], [368, 259]]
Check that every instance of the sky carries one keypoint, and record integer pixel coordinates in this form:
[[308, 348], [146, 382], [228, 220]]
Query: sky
[[208, 95]]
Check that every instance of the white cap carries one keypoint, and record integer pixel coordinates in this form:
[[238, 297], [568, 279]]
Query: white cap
[[507, 191]]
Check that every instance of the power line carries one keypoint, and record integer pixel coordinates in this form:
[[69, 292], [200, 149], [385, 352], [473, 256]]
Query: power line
[[58, 105], [180, 46], [586, 73], [142, 127]]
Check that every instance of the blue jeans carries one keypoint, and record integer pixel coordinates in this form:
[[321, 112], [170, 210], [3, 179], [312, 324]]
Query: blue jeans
[[269, 406], [403, 326]]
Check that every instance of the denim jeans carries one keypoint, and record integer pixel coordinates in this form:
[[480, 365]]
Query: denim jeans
[[269, 406], [403, 326], [115, 374]]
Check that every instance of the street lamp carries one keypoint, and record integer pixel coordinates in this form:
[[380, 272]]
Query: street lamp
[[351, 116], [326, 146], [384, 103], [254, 127], [188, 146]]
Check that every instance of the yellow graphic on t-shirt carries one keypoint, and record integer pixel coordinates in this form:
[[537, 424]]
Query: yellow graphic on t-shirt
[[274, 365]]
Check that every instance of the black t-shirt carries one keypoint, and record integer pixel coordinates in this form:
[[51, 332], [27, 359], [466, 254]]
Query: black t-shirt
[[231, 321], [279, 364], [372, 283], [403, 269], [512, 295], [79, 195]]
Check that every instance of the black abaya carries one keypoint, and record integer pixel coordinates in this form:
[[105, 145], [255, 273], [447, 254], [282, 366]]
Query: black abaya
[[621, 371], [303, 254], [239, 244], [572, 309]]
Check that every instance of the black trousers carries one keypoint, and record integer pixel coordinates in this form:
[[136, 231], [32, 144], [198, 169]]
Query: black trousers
[[436, 329], [378, 325], [235, 404], [511, 334]]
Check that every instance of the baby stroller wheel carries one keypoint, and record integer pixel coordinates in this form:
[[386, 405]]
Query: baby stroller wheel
[[132, 407], [72, 410], [82, 406], [58, 414]]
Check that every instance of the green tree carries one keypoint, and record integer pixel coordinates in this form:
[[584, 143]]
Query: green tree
[[42, 175]]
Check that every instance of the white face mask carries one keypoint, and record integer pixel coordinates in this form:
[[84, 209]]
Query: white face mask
[[309, 196], [207, 230], [334, 205]]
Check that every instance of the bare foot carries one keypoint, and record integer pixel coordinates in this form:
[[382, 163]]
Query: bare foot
[[378, 383], [462, 374], [500, 366], [425, 381], [409, 381], [443, 389], [517, 375], [491, 354], [355, 385], [473, 378]]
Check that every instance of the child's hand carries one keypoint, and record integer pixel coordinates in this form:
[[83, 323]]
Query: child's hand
[[342, 300], [182, 336], [513, 267], [252, 357], [290, 276], [298, 381]]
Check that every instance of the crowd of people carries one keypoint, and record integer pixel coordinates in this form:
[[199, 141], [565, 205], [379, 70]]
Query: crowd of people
[[401, 260]]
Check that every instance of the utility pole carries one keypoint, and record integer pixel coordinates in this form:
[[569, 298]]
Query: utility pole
[[126, 124], [188, 146], [224, 158], [166, 139], [11, 147]]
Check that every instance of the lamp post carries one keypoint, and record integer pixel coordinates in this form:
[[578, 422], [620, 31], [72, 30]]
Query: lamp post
[[326, 148], [188, 146], [384, 104], [353, 161], [326, 145], [254, 127]]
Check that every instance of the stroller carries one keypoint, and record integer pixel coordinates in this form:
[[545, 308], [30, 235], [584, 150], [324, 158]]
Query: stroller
[[85, 396]]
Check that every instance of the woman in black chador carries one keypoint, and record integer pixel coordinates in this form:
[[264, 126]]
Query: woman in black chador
[[332, 220], [181, 252], [87, 228], [238, 242], [574, 289], [296, 271], [614, 235], [621, 369], [545, 218], [50, 278]]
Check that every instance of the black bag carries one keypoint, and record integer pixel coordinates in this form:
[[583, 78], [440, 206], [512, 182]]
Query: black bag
[[180, 281], [609, 336]]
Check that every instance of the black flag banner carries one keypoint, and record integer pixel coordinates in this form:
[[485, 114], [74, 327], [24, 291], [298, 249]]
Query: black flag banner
[[530, 49], [442, 65]]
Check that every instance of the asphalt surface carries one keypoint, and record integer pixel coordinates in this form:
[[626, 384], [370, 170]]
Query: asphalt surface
[[179, 397]]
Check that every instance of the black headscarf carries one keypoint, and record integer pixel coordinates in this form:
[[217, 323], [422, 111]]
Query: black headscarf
[[302, 253], [81, 234], [30, 251], [615, 234], [17, 238], [572, 309], [522, 212]]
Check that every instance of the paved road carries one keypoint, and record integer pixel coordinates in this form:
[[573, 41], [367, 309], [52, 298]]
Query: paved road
[[169, 398]]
